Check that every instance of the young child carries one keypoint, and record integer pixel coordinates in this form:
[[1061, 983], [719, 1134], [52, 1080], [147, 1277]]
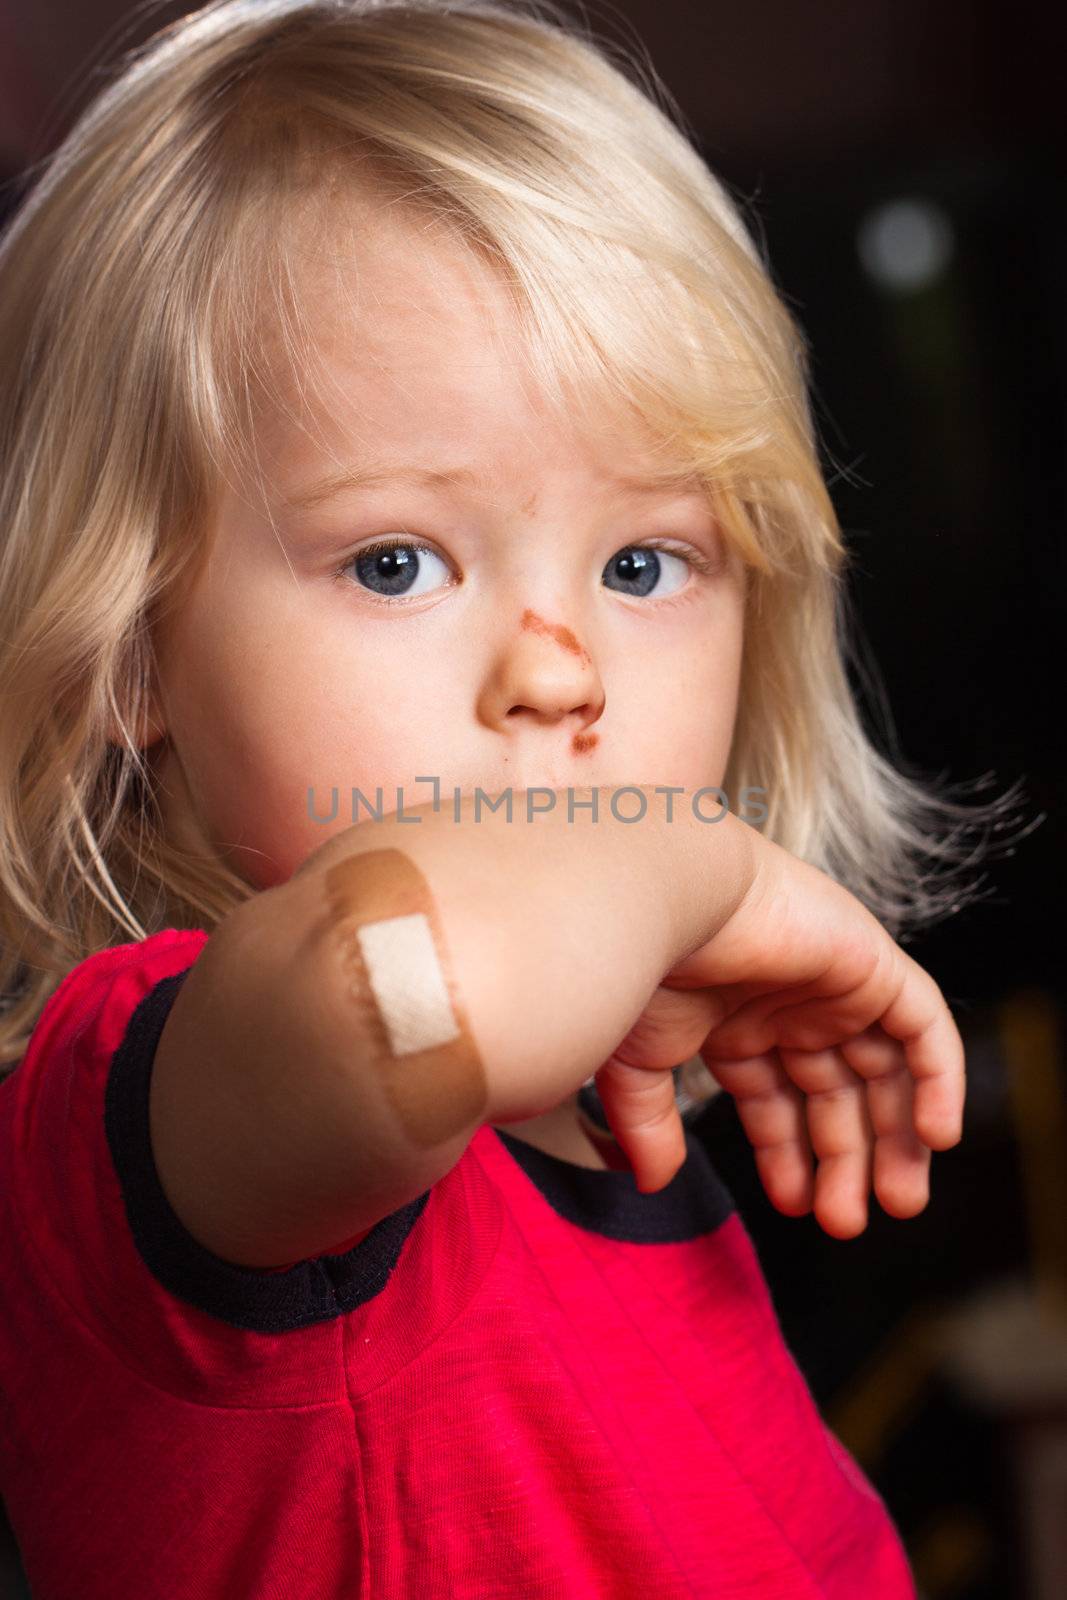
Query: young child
[[396, 404]]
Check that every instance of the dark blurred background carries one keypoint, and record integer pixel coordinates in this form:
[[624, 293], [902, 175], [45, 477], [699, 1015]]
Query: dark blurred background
[[904, 161]]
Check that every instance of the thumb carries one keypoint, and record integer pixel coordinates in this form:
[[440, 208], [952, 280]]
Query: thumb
[[636, 1086], [642, 1112]]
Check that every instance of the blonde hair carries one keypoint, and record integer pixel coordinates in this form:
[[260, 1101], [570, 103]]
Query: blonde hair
[[142, 279]]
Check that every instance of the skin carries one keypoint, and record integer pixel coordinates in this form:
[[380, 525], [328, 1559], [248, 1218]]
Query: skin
[[520, 660]]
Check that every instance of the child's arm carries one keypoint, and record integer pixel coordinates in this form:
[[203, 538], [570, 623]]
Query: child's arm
[[281, 1122], [284, 1120]]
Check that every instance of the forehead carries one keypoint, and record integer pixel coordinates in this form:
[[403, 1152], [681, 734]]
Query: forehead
[[378, 300], [398, 333]]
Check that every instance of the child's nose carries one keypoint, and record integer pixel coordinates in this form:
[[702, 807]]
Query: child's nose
[[543, 672]]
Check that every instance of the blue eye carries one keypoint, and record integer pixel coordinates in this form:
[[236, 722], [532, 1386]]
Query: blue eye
[[393, 568], [638, 567]]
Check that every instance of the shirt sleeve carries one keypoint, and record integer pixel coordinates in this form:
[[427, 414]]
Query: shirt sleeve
[[92, 1234]]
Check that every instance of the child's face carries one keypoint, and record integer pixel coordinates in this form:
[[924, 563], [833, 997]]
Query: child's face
[[526, 650]]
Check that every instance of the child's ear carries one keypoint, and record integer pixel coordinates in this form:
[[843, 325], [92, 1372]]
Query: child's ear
[[149, 729]]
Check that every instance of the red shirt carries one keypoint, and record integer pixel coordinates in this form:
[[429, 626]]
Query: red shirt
[[533, 1381]]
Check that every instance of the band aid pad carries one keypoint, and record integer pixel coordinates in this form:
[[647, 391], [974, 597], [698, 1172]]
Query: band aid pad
[[396, 961]]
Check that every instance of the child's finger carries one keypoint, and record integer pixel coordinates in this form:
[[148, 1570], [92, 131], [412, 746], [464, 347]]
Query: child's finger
[[901, 1159], [642, 1112], [841, 1137], [921, 1020], [771, 1111], [902, 1174]]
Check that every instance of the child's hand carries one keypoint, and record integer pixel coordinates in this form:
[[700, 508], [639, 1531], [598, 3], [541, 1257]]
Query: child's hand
[[851, 1107], [833, 1041]]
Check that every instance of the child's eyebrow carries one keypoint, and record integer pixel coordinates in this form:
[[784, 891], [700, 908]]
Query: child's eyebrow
[[666, 481]]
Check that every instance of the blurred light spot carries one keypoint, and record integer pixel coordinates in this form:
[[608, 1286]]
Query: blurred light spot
[[905, 244]]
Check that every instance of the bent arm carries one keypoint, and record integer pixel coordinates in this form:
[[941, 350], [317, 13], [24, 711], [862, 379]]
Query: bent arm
[[343, 1036]]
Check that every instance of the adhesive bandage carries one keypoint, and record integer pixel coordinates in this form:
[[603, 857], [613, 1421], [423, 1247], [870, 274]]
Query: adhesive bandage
[[395, 958], [409, 986]]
